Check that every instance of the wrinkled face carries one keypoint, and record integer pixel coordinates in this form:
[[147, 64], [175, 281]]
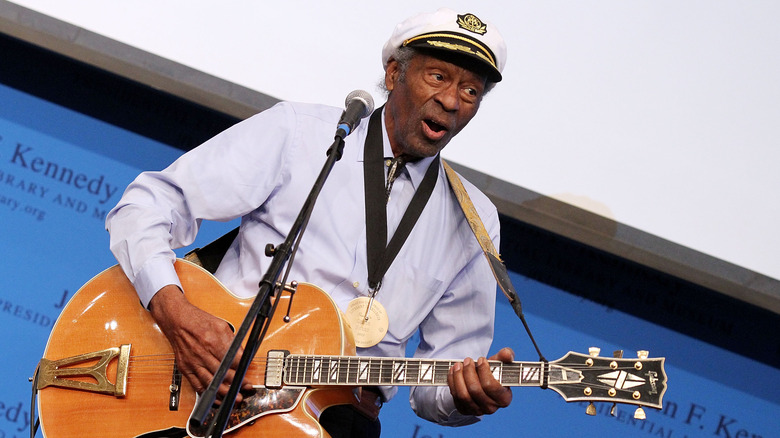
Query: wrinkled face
[[430, 104]]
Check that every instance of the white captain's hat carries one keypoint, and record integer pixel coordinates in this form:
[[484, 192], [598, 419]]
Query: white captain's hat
[[450, 32]]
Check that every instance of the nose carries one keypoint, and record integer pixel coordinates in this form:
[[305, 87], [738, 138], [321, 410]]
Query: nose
[[448, 98]]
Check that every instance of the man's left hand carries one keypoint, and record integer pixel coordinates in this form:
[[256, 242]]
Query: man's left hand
[[473, 387]]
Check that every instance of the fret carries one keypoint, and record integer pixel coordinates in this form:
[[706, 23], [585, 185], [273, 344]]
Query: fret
[[356, 369], [496, 370], [531, 374], [412, 372], [351, 372], [378, 371], [324, 369], [427, 371], [314, 369], [374, 370], [399, 371], [353, 365], [343, 367], [442, 369], [386, 373], [510, 374], [333, 370], [345, 370], [288, 367], [364, 371]]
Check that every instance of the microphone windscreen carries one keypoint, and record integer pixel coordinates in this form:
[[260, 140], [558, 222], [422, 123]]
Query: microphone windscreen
[[365, 97]]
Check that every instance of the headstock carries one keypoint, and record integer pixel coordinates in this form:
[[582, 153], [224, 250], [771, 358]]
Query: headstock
[[640, 381]]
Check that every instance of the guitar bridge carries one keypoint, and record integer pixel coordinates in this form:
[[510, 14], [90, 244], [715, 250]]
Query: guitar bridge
[[61, 373]]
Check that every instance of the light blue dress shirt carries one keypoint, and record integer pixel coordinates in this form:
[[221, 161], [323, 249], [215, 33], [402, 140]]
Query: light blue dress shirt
[[262, 170]]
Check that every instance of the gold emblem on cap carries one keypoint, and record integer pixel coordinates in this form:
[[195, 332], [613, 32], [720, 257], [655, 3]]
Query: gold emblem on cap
[[471, 23]]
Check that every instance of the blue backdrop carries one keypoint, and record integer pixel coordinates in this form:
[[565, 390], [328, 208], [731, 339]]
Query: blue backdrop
[[60, 172]]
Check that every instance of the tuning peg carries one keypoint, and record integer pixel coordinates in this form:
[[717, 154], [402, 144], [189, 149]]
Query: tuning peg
[[642, 354], [639, 414], [594, 351], [591, 409], [617, 354]]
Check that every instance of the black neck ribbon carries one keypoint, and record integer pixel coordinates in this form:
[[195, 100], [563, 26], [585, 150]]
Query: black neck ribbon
[[379, 256]]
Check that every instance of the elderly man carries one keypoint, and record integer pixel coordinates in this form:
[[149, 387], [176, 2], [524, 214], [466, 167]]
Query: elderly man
[[437, 69]]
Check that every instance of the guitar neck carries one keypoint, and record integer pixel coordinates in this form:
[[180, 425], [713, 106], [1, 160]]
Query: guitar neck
[[368, 371]]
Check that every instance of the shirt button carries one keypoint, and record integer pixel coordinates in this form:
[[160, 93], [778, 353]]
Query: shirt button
[[356, 284]]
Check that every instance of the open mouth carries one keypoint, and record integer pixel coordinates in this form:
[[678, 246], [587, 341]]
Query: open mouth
[[433, 126], [433, 130]]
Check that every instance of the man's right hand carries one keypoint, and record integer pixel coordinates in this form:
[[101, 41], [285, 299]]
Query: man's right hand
[[199, 339]]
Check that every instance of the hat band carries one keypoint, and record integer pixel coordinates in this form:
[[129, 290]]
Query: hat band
[[484, 53]]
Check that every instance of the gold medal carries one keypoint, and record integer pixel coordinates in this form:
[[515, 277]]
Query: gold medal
[[368, 320]]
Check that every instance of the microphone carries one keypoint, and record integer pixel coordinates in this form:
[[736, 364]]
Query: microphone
[[359, 104]]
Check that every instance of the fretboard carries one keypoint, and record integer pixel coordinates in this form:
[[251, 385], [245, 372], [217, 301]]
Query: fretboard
[[364, 371]]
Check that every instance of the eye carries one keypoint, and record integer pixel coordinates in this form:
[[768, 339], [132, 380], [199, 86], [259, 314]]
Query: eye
[[437, 77], [470, 94]]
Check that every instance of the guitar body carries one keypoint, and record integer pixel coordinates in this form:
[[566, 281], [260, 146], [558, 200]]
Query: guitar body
[[106, 313]]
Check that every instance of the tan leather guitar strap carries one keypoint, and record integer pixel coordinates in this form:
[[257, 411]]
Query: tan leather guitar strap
[[471, 213], [494, 260], [496, 264]]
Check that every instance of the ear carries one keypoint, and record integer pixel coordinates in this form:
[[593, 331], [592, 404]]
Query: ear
[[391, 74]]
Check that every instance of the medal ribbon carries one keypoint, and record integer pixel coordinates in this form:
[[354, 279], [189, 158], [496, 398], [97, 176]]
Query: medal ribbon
[[380, 254]]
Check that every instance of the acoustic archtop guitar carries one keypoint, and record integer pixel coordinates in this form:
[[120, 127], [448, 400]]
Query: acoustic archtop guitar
[[109, 371]]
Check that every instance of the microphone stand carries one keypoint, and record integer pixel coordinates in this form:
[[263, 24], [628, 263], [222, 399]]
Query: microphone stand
[[261, 311]]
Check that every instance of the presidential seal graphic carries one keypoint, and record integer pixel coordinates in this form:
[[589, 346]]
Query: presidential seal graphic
[[471, 23]]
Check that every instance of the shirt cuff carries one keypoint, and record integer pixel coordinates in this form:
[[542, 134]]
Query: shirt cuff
[[435, 404], [455, 418], [155, 274]]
